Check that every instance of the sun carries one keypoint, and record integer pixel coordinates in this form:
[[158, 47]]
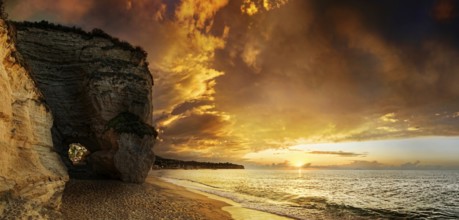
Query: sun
[[298, 164]]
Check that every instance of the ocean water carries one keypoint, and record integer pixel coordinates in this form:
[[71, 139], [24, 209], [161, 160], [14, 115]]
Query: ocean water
[[332, 194]]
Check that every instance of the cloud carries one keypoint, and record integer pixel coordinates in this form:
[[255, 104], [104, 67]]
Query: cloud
[[410, 165], [360, 165], [338, 153], [283, 165], [376, 165], [286, 165], [389, 117], [249, 56], [354, 165], [252, 7], [73, 9], [444, 10], [197, 125], [335, 76], [232, 77], [190, 105]]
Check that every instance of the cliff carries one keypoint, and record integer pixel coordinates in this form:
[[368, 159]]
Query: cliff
[[64, 87], [32, 176], [89, 80]]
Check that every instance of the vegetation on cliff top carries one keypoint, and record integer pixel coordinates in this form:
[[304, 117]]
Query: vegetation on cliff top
[[165, 163], [126, 122]]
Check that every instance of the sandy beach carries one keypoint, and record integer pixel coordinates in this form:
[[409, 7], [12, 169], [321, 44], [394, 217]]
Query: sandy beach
[[155, 199]]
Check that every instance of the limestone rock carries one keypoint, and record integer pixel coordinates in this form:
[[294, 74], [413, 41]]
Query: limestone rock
[[59, 86], [88, 80], [32, 176]]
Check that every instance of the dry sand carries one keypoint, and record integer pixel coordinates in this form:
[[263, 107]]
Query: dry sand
[[155, 199]]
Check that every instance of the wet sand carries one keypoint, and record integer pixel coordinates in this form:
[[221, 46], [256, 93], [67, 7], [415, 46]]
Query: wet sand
[[235, 209]]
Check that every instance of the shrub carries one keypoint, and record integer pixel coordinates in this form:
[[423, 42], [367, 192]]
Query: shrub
[[127, 122]]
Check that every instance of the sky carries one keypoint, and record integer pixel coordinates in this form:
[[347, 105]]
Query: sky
[[317, 83]]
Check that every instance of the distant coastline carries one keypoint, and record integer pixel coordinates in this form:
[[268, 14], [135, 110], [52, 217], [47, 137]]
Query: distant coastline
[[165, 163]]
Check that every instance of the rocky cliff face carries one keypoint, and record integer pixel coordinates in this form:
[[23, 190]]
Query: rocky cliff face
[[32, 176], [61, 86], [89, 80]]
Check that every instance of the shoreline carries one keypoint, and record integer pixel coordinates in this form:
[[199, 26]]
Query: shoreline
[[157, 198], [236, 210]]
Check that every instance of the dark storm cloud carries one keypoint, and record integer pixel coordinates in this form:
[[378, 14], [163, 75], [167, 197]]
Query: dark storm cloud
[[403, 22]]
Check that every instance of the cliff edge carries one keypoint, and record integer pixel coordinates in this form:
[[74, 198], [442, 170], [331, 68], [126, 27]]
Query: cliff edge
[[32, 176], [63, 87]]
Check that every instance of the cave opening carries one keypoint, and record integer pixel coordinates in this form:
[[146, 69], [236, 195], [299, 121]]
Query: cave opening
[[77, 154]]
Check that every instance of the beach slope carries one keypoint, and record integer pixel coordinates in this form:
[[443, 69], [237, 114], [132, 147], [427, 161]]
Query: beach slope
[[155, 199]]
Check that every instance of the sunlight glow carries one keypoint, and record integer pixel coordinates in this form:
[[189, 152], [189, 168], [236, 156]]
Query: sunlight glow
[[298, 164]]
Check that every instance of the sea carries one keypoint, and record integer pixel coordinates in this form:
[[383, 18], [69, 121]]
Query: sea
[[332, 194]]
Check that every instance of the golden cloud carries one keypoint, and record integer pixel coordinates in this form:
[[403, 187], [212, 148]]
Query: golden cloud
[[252, 7], [247, 75]]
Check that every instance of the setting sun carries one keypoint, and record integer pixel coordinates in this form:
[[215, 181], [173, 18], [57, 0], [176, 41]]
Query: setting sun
[[298, 164]]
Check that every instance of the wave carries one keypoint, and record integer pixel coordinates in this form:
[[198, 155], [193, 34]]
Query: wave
[[312, 207]]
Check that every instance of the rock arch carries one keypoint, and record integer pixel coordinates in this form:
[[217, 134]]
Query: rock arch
[[89, 80]]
